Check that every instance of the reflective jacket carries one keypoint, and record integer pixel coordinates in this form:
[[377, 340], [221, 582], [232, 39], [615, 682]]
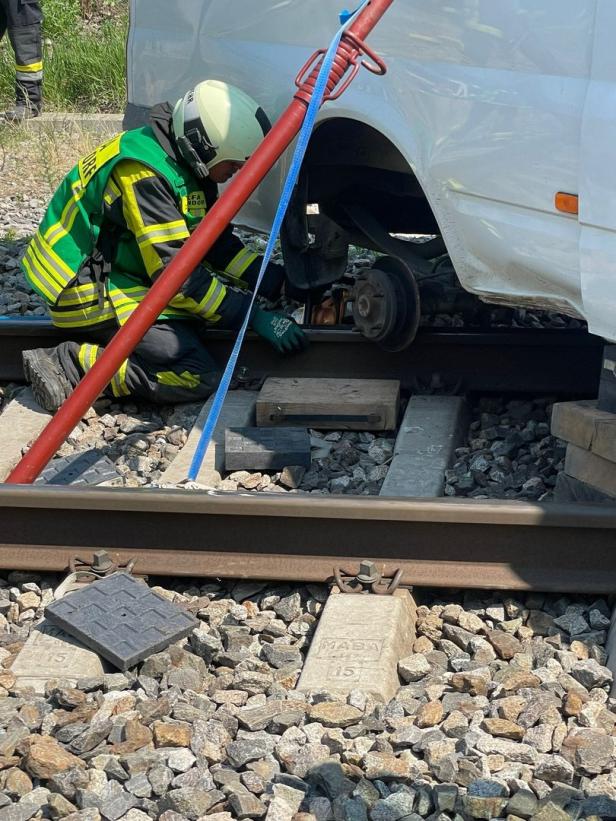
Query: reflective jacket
[[116, 221]]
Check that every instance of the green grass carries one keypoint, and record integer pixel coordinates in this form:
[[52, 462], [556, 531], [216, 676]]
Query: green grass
[[84, 57]]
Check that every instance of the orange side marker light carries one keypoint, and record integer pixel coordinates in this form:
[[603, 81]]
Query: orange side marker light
[[567, 203]]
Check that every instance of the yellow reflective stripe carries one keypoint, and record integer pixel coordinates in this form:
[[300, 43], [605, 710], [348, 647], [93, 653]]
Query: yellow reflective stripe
[[93, 309], [87, 356], [126, 174], [118, 383], [54, 264], [178, 380], [60, 229], [122, 297], [84, 317], [162, 227], [240, 262], [124, 313], [155, 234], [40, 263], [48, 291], [78, 295], [211, 301], [111, 192], [30, 68], [125, 301], [41, 274]]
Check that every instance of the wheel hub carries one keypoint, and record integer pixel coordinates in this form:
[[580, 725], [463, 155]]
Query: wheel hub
[[386, 304]]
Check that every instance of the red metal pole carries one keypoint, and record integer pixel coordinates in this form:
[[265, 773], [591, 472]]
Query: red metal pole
[[190, 255]]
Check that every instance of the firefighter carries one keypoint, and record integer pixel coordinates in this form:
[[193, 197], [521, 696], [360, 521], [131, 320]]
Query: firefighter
[[116, 221], [23, 20]]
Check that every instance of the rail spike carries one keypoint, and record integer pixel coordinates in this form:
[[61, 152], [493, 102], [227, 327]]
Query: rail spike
[[368, 579]]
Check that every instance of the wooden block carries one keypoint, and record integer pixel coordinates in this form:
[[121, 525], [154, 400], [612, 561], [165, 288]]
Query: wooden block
[[569, 490], [266, 448], [583, 425], [592, 469], [329, 404], [238, 410]]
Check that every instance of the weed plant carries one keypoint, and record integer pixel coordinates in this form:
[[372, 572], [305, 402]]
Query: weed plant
[[84, 56]]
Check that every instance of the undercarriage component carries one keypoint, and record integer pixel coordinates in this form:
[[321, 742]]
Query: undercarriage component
[[314, 247], [414, 254], [386, 305]]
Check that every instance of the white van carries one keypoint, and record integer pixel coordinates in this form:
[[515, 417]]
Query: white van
[[490, 111]]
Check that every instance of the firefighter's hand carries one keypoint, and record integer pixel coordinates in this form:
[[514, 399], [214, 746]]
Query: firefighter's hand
[[279, 330]]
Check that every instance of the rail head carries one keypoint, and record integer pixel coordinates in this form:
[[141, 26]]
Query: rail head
[[245, 504]]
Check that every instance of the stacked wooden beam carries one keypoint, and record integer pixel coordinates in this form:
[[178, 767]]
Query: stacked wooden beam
[[590, 463], [287, 408]]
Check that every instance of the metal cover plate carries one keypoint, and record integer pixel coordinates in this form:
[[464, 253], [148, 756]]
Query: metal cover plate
[[121, 618], [88, 468]]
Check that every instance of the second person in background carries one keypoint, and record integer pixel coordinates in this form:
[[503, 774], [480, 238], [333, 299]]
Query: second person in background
[[22, 19]]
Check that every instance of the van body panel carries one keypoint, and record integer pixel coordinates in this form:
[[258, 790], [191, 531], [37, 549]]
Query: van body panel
[[495, 108]]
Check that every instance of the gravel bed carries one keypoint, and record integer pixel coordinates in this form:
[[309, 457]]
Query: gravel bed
[[342, 463], [143, 440], [509, 454], [504, 712]]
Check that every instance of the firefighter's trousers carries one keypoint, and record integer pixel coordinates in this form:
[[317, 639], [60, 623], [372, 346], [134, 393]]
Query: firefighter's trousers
[[23, 19], [170, 365]]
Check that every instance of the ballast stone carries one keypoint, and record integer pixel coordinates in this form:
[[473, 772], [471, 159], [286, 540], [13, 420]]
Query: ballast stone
[[358, 644]]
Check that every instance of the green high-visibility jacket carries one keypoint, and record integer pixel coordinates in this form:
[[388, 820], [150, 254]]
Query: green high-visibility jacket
[[131, 203]]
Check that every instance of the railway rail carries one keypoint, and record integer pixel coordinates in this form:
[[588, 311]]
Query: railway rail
[[436, 543], [442, 542], [499, 360]]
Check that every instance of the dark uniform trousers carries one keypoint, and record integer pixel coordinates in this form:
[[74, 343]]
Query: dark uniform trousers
[[170, 364], [23, 21]]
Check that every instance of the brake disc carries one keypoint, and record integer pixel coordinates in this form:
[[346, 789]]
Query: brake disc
[[374, 306], [386, 306]]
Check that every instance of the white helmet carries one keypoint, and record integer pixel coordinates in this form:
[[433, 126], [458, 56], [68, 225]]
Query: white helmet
[[215, 122]]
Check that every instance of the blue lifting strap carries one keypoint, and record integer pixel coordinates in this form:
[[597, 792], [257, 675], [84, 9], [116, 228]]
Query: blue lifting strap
[[298, 156]]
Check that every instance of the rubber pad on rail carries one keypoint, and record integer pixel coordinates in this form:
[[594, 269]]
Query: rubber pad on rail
[[121, 619], [88, 468]]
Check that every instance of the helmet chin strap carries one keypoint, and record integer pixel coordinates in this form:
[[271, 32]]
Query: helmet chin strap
[[192, 159], [195, 146]]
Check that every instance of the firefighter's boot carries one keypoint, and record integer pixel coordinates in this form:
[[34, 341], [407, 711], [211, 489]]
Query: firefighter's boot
[[28, 101], [46, 376], [20, 113]]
